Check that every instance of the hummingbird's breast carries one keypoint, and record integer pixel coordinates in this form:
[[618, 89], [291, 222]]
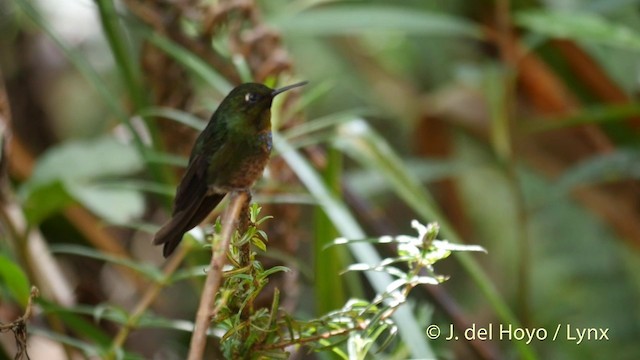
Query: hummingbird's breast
[[246, 165]]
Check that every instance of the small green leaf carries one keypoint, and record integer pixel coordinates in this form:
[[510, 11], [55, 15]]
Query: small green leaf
[[435, 255], [274, 270], [242, 277], [445, 245], [15, 280], [395, 285], [408, 250], [429, 280], [261, 220], [259, 244]]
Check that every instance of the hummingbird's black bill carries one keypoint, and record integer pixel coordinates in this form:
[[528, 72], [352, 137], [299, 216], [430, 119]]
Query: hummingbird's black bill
[[289, 87]]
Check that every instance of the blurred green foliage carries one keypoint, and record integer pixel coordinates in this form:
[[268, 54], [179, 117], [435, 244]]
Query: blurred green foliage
[[385, 80]]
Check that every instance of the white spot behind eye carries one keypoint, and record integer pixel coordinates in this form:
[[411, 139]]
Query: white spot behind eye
[[250, 97]]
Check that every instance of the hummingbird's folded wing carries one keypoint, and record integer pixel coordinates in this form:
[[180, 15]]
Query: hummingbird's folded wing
[[193, 186], [191, 206], [193, 200]]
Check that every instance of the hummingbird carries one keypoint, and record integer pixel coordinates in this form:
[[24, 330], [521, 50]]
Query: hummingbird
[[229, 155]]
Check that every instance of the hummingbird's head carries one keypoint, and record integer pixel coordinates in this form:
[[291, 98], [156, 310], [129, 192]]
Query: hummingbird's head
[[252, 102]]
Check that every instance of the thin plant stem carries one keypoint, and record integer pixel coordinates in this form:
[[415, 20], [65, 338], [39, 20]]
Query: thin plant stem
[[19, 326], [239, 200], [509, 59], [147, 299], [116, 37], [21, 237]]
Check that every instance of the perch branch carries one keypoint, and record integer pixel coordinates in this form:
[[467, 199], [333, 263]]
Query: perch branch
[[238, 201]]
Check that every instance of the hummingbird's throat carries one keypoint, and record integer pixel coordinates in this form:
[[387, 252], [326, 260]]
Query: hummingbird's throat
[[264, 121]]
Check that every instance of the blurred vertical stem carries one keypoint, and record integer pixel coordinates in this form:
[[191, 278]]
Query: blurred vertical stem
[[116, 38], [13, 225], [93, 78], [126, 65], [19, 233], [329, 262], [502, 106], [145, 302]]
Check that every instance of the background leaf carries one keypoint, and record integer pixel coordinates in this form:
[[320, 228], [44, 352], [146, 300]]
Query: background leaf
[[587, 27], [616, 166], [14, 280], [352, 19], [74, 170]]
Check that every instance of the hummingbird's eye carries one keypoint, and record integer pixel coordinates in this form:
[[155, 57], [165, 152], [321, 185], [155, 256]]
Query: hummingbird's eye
[[250, 97]]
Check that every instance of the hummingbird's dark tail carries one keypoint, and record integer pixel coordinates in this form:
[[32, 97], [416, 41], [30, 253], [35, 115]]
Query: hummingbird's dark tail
[[172, 232]]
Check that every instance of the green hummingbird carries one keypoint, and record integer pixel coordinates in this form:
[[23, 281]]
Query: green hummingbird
[[229, 155]]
